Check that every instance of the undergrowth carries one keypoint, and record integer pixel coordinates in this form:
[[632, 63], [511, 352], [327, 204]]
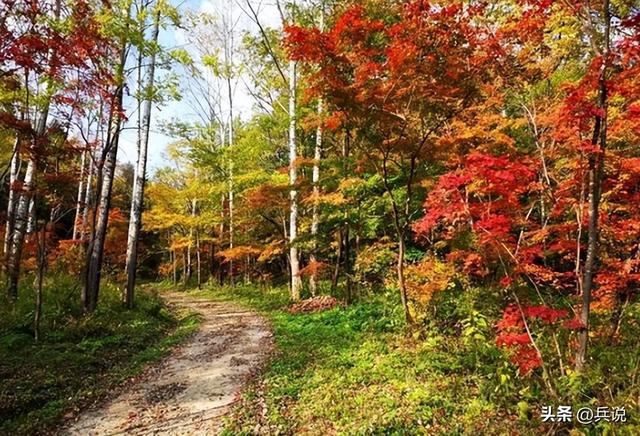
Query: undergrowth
[[78, 358], [357, 370]]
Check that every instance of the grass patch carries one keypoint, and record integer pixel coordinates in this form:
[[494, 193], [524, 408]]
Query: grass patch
[[355, 370], [78, 359]]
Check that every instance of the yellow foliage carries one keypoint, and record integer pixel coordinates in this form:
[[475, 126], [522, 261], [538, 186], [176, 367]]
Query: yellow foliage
[[271, 251], [428, 277], [242, 252]]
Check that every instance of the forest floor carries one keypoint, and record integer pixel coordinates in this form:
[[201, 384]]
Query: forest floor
[[190, 391]]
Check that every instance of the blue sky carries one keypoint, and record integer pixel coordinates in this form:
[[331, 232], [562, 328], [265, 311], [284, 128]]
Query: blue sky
[[182, 110]]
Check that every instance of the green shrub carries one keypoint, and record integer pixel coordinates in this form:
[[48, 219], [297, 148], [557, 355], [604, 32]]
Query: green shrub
[[78, 358]]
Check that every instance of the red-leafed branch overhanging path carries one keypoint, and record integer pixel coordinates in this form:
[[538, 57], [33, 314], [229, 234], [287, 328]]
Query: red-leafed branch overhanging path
[[189, 391]]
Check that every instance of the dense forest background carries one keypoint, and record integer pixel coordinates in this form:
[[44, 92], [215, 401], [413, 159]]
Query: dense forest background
[[469, 170]]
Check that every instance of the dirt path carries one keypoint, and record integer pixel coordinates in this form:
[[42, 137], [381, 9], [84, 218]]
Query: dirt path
[[188, 392]]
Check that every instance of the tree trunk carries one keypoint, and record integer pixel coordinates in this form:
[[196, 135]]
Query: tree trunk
[[185, 275], [175, 267], [346, 151], [294, 260], [81, 200], [315, 218], [596, 171], [88, 199], [221, 242], [198, 261], [19, 230], [231, 277], [315, 179], [231, 139], [140, 177], [212, 261], [23, 207], [336, 269], [42, 257], [31, 219], [11, 202], [401, 279], [95, 249], [188, 268], [347, 265]]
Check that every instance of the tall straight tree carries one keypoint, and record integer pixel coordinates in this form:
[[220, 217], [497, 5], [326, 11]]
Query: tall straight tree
[[317, 156], [95, 249], [58, 48], [81, 195], [601, 44], [135, 217], [14, 167], [289, 80], [294, 255], [19, 217], [227, 38]]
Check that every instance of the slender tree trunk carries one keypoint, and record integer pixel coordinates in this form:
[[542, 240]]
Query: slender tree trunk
[[401, 278], [95, 250], [221, 241], [315, 218], [19, 229], [175, 267], [231, 139], [88, 199], [198, 261], [42, 257], [31, 219], [400, 236], [88, 195], [595, 175], [20, 221], [294, 259], [81, 198], [212, 261], [137, 201], [11, 202], [231, 276], [336, 269], [23, 207], [315, 179], [347, 265], [185, 274], [189, 268], [346, 151], [596, 172]]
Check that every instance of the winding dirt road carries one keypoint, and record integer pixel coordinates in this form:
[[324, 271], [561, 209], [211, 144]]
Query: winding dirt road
[[188, 392]]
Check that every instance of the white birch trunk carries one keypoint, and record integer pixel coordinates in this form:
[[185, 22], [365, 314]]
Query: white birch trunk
[[87, 201], [11, 202], [21, 220], [315, 219], [137, 200], [95, 250], [31, 219], [19, 229], [81, 199], [296, 282]]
